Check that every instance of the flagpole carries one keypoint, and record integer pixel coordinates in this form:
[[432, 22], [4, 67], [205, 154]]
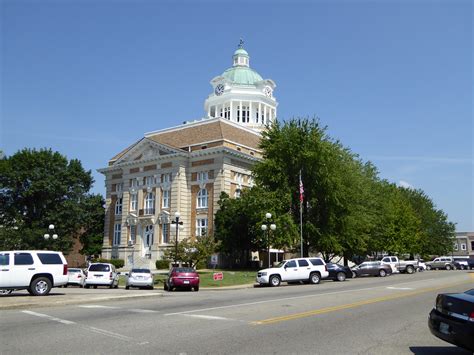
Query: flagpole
[[301, 214]]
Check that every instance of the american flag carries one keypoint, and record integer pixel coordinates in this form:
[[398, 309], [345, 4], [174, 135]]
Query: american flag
[[301, 189]]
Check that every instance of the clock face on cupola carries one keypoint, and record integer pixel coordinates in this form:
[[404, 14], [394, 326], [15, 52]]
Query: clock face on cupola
[[241, 95]]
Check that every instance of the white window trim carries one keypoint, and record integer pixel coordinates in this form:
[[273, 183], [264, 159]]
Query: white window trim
[[117, 234], [165, 201], [202, 199], [119, 206], [201, 224]]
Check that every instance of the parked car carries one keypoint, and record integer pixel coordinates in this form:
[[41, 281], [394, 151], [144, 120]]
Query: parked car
[[460, 263], [102, 274], [36, 271], [452, 319], [403, 266], [470, 263], [338, 272], [139, 278], [182, 277], [443, 262], [76, 277], [372, 268], [310, 270]]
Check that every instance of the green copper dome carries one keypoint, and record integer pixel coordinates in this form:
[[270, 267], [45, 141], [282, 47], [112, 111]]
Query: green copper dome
[[242, 75], [241, 51]]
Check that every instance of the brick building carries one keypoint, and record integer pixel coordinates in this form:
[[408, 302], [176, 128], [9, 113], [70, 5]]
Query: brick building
[[185, 168]]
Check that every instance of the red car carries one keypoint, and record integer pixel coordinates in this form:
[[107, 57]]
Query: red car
[[182, 277]]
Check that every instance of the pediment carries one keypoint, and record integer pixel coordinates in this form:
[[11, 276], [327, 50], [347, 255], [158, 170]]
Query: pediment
[[146, 149]]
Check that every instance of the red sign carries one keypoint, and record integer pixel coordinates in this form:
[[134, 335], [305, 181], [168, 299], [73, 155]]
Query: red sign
[[217, 276]]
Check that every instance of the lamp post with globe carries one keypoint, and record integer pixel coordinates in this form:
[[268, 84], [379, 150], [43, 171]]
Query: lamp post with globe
[[266, 227], [51, 233], [176, 224]]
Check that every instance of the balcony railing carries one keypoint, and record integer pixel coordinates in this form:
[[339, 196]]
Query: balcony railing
[[146, 211]]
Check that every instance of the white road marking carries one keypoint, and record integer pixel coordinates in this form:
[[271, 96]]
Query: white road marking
[[108, 333], [135, 310], [206, 317], [141, 310], [96, 306], [400, 288], [54, 319]]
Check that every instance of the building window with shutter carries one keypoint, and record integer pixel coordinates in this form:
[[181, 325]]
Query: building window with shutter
[[202, 198]]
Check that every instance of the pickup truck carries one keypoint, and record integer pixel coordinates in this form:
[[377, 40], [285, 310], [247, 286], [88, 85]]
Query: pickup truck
[[408, 266]]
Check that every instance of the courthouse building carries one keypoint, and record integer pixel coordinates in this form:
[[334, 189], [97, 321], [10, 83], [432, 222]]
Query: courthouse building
[[185, 168]]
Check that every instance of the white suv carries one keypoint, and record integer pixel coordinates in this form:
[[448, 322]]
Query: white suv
[[310, 270], [102, 274], [35, 271]]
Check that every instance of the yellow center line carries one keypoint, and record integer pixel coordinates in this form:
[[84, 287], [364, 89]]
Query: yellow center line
[[353, 305]]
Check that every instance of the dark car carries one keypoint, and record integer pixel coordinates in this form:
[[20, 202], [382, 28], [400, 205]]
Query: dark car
[[182, 277], [452, 319], [372, 268], [338, 272]]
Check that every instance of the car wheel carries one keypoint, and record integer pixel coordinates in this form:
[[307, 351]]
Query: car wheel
[[275, 280], [95, 286], [196, 288], [127, 287], [410, 270], [448, 267], [461, 267], [65, 286], [5, 292], [86, 286], [340, 276], [40, 286], [428, 267], [165, 286], [382, 273], [354, 275], [314, 278]]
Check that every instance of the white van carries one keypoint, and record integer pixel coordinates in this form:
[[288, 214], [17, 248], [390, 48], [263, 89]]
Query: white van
[[102, 274], [34, 270]]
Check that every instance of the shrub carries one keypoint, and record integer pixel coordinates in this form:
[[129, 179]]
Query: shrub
[[118, 263], [162, 264]]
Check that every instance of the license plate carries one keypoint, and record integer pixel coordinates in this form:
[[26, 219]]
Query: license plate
[[186, 282], [444, 328]]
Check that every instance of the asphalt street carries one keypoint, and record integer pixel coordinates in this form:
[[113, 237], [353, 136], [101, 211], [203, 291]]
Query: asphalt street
[[359, 316]]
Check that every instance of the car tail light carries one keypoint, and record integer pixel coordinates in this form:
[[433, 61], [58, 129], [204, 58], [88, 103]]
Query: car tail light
[[64, 269], [471, 317], [78, 276], [326, 267], [110, 276]]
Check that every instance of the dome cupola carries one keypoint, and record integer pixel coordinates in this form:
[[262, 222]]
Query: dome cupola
[[241, 95]]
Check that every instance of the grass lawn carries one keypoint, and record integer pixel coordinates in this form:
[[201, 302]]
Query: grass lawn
[[231, 277]]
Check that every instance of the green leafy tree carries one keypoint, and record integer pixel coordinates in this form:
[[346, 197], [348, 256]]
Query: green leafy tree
[[192, 251], [39, 188]]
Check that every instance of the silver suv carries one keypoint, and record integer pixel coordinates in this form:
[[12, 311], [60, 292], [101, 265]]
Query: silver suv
[[310, 270], [443, 262], [35, 271]]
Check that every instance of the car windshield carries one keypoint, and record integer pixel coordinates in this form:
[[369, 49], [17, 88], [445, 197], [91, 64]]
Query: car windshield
[[281, 263], [99, 267], [184, 269], [141, 271]]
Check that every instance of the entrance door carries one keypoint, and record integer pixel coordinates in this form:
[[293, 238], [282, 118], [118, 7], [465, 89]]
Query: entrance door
[[147, 239]]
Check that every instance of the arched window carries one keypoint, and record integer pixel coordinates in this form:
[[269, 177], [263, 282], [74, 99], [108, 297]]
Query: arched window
[[202, 198], [150, 203]]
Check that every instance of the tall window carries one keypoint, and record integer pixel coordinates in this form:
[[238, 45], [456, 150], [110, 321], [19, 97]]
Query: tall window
[[150, 203], [456, 248], [118, 206], [117, 234], [237, 193], [149, 180], [202, 198], [463, 247], [166, 177], [202, 176], [133, 234], [201, 227], [119, 187], [239, 178], [166, 199], [165, 233], [133, 202]]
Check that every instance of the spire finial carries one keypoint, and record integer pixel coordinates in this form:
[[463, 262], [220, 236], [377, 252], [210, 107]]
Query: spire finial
[[241, 43]]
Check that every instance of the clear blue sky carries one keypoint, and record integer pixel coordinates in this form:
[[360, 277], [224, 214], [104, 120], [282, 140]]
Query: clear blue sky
[[392, 80]]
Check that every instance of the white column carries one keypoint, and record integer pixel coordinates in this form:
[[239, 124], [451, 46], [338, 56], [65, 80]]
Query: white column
[[264, 113], [209, 111], [260, 112], [231, 109], [240, 108], [251, 118]]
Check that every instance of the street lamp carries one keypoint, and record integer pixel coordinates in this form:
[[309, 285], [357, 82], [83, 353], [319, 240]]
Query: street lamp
[[266, 227], [51, 230], [175, 224]]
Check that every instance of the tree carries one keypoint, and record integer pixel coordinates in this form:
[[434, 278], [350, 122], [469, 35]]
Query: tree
[[238, 223], [92, 235], [39, 188], [192, 251]]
